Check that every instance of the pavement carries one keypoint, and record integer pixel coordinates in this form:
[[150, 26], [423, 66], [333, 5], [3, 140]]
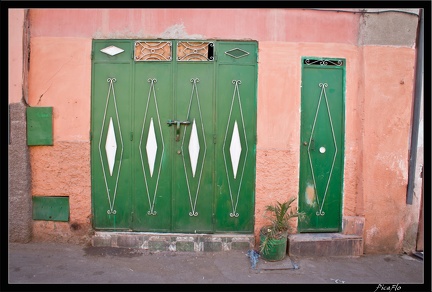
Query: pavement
[[58, 263]]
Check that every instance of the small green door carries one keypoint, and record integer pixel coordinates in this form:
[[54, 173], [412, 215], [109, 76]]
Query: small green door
[[236, 136], [111, 175], [173, 135], [322, 144]]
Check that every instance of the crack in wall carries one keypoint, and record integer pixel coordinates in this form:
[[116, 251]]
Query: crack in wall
[[55, 74]]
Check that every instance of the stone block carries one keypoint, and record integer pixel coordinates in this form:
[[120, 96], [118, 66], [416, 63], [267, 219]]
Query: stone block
[[240, 245], [184, 246], [324, 244], [158, 245], [129, 241], [99, 241], [353, 225], [212, 246]]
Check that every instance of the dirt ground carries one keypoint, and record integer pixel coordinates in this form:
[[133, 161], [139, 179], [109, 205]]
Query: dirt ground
[[48, 263]]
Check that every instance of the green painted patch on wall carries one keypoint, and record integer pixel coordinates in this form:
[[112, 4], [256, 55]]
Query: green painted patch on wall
[[51, 208], [39, 126]]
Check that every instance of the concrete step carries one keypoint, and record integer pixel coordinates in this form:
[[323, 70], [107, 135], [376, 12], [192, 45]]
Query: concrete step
[[174, 241], [324, 244]]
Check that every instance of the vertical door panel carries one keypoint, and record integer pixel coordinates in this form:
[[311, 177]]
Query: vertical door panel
[[153, 101], [193, 171], [111, 153], [322, 148], [235, 152]]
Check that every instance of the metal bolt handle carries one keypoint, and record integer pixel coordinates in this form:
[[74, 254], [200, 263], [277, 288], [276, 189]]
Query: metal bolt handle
[[177, 123]]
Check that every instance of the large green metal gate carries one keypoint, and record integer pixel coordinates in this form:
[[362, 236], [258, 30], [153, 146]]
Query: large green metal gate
[[322, 144], [173, 135]]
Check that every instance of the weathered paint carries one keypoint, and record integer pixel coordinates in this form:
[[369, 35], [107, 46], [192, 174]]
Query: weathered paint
[[388, 107], [379, 86], [310, 194]]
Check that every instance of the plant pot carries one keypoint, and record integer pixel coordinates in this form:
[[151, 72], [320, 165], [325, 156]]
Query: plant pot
[[277, 248]]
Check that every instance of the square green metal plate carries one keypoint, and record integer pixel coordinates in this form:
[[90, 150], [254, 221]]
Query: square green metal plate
[[51, 208], [39, 126]]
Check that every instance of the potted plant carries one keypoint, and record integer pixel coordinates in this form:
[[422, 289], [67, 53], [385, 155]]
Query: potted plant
[[273, 237]]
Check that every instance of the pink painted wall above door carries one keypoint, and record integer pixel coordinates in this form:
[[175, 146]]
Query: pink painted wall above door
[[288, 25]]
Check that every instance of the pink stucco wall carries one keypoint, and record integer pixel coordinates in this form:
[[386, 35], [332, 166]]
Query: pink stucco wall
[[300, 25], [15, 47], [62, 79], [388, 110], [377, 106]]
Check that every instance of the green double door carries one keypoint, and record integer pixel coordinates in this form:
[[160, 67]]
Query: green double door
[[322, 144], [173, 135]]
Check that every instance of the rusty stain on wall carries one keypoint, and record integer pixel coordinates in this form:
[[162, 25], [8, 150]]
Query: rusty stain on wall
[[310, 194]]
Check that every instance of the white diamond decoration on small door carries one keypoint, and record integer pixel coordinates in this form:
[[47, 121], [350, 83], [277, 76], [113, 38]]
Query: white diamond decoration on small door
[[111, 146], [151, 147], [112, 50], [194, 148]]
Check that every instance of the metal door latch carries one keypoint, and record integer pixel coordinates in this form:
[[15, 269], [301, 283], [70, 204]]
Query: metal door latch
[[177, 123]]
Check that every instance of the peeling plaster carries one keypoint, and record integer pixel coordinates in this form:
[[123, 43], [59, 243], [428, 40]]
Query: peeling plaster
[[403, 168], [310, 194], [123, 34], [397, 164], [372, 231], [176, 31], [400, 234]]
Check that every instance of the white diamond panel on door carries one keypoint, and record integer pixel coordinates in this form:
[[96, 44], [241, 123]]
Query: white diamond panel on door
[[109, 148], [238, 148], [196, 151], [150, 149]]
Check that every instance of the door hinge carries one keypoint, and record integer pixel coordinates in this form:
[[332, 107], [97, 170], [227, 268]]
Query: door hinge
[[214, 139], [90, 136], [92, 55], [131, 136]]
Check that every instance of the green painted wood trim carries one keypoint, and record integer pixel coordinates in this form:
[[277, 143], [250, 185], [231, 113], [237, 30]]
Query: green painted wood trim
[[51, 208], [39, 126]]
